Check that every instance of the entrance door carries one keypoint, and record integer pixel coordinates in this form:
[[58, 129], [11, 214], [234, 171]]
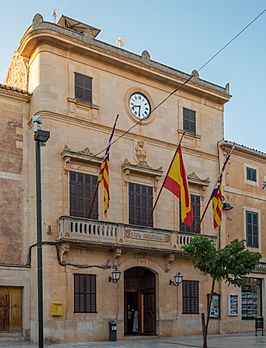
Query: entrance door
[[140, 307], [10, 309]]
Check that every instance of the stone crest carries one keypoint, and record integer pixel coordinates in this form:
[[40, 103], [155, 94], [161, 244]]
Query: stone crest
[[140, 152]]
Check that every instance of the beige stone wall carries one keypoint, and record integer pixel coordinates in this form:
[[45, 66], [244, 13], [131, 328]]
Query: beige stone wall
[[242, 195], [51, 81], [12, 110]]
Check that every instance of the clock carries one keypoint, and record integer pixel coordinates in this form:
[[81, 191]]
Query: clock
[[139, 105]]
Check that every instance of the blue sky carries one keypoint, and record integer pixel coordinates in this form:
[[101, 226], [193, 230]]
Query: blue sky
[[182, 34]]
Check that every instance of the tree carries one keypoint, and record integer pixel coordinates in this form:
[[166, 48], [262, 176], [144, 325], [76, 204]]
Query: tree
[[230, 264]]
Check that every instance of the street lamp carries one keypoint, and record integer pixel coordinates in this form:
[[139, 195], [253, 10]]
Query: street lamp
[[178, 278], [115, 275], [40, 137]]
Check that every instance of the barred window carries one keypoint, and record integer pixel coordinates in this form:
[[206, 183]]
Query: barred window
[[140, 204], [84, 293], [189, 120], [83, 88], [190, 292]]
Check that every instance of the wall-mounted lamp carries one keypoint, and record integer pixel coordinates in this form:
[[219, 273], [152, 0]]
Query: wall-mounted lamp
[[227, 206], [115, 275], [178, 278]]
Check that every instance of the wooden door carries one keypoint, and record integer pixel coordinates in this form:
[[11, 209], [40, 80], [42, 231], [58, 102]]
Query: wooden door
[[4, 310], [15, 309], [10, 309], [149, 314]]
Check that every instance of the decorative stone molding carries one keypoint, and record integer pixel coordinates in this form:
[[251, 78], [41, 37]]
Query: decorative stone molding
[[227, 88], [17, 75], [141, 169], [140, 152], [169, 259], [63, 249], [194, 179], [116, 254], [84, 155], [145, 55], [37, 19]]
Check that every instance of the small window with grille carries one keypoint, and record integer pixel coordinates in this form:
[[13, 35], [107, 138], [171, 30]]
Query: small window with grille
[[189, 121], [190, 295], [140, 204], [84, 293], [252, 229], [83, 88], [251, 174]]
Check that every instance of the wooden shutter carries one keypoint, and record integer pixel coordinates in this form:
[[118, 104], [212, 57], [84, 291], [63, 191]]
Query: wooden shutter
[[195, 201], [252, 229], [84, 293], [140, 199], [83, 88], [82, 188], [189, 120], [190, 294]]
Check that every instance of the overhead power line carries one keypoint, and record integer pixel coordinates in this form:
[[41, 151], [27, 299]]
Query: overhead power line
[[180, 86], [186, 81]]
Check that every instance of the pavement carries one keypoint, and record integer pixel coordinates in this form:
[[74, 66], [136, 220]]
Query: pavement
[[214, 341]]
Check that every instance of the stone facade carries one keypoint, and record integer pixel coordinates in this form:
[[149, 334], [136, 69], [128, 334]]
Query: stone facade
[[244, 195], [79, 134], [14, 271]]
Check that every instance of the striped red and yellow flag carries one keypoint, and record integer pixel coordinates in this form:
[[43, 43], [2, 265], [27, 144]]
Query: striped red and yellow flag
[[104, 173], [216, 196], [176, 182]]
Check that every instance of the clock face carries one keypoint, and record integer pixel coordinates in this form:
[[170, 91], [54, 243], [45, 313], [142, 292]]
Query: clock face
[[139, 105]]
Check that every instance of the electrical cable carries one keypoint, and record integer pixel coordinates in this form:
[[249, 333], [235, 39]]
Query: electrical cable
[[179, 87], [185, 82]]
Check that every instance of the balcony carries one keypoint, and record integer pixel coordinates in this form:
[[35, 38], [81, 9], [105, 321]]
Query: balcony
[[112, 235]]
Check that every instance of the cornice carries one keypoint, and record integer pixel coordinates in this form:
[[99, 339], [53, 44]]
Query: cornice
[[244, 150], [133, 136], [14, 93], [42, 32]]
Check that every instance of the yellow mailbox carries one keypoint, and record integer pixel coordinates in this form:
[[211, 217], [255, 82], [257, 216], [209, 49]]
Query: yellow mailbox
[[57, 309]]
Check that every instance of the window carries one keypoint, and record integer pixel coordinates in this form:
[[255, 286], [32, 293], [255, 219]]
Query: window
[[84, 293], [195, 201], [83, 88], [251, 174], [251, 299], [190, 294], [189, 120], [252, 229], [82, 189], [140, 204]]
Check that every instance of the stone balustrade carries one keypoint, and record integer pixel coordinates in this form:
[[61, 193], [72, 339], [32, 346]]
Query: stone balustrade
[[121, 235]]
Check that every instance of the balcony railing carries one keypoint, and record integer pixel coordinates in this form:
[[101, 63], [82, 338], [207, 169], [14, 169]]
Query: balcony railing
[[127, 236]]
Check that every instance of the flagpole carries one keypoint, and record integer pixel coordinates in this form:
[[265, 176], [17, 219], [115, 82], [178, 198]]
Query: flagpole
[[165, 179], [209, 201], [93, 199], [98, 182]]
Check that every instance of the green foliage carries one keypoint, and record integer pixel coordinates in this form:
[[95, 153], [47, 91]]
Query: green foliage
[[231, 264]]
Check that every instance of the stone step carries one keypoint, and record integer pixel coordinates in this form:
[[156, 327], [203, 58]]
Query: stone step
[[7, 337]]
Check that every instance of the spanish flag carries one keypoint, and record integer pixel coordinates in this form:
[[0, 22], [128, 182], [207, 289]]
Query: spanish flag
[[176, 182], [104, 173]]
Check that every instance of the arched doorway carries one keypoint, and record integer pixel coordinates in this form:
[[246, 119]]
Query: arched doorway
[[140, 304]]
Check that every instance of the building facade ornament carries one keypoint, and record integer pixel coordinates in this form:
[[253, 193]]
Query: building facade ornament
[[140, 152]]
